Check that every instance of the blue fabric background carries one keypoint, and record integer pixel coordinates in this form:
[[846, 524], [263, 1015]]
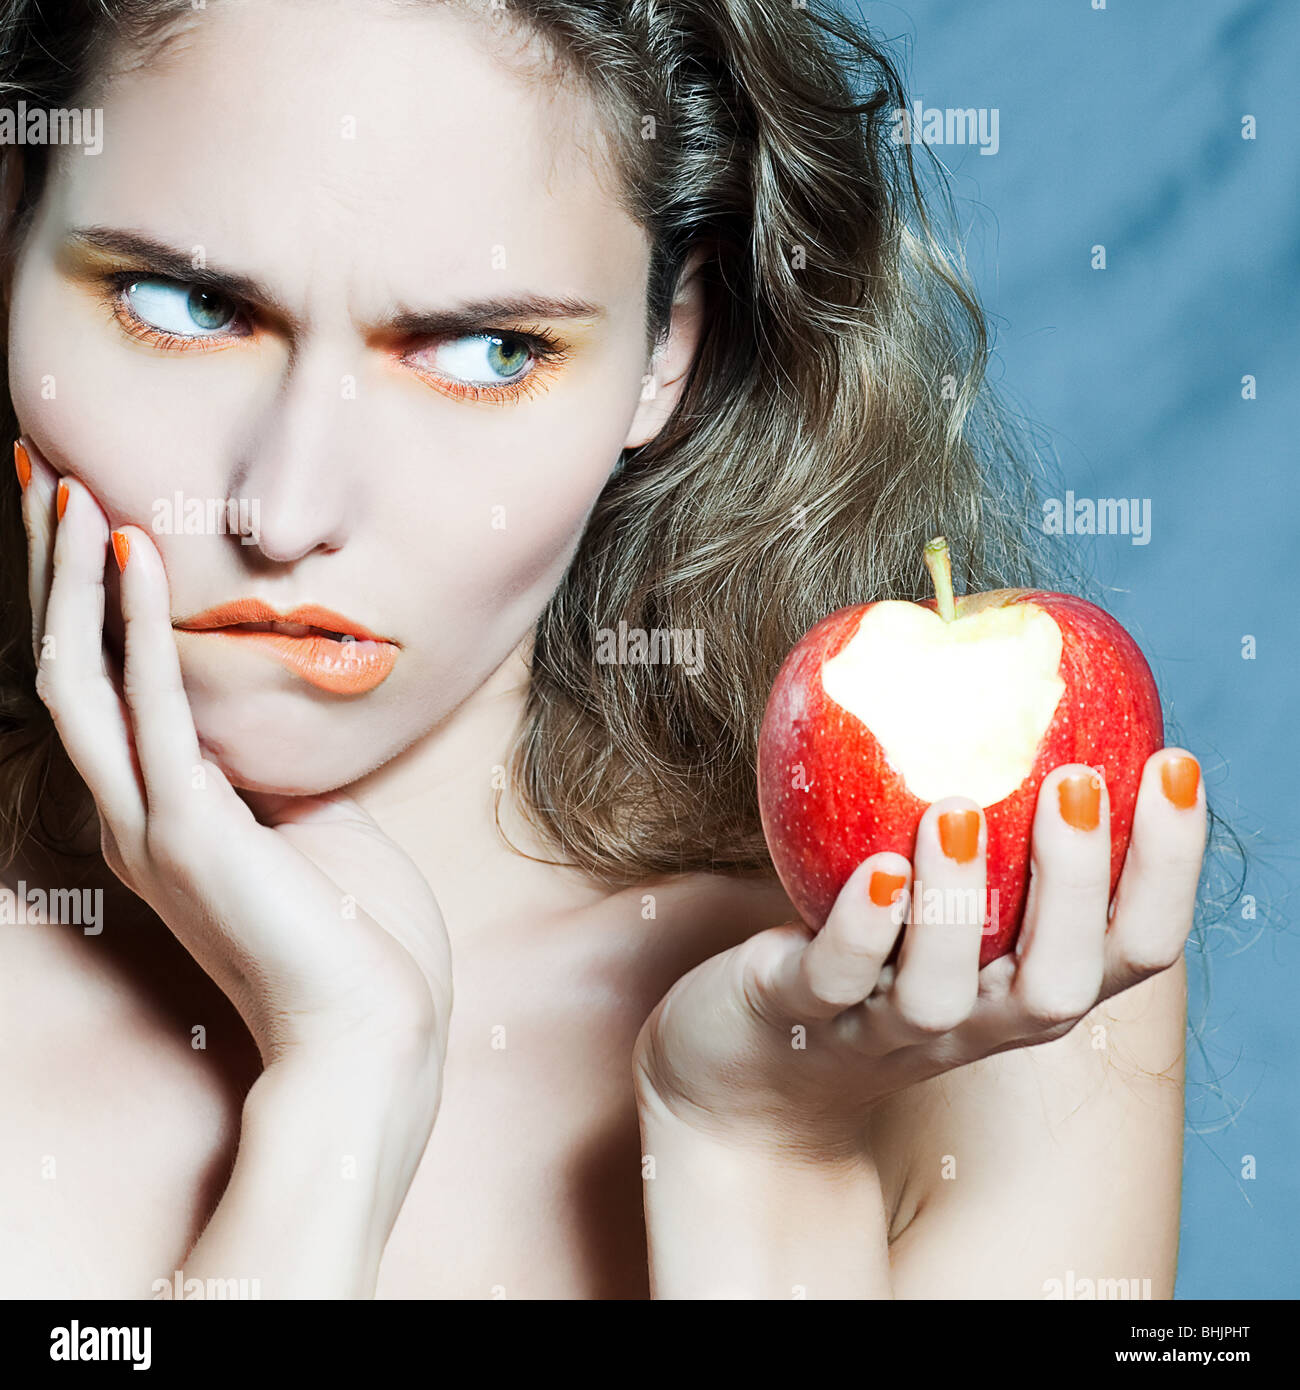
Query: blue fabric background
[[1123, 127]]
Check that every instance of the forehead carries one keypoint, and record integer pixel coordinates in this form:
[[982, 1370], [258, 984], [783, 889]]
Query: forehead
[[392, 148]]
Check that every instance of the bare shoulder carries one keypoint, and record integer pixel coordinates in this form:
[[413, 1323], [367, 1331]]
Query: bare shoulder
[[118, 1133], [738, 907], [694, 916]]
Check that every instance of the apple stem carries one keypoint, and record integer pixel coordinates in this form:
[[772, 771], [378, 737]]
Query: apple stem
[[939, 563]]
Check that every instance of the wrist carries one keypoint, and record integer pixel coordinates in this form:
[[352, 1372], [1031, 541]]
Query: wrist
[[730, 1215], [386, 1101], [347, 1067], [348, 1046], [369, 1114], [754, 1153], [774, 1139]]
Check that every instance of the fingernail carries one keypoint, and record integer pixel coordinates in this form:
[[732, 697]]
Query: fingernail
[[885, 888], [121, 549], [1080, 800], [959, 835], [22, 465], [61, 499], [1180, 777]]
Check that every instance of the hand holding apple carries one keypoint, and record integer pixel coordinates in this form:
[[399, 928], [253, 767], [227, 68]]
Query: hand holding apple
[[911, 749], [779, 1047], [884, 708]]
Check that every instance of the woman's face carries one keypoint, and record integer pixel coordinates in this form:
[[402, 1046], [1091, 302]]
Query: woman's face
[[359, 176]]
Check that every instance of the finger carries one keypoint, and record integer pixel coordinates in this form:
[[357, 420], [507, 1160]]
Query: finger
[[1061, 947], [166, 744], [38, 481], [842, 963], [1156, 897], [937, 977], [88, 713]]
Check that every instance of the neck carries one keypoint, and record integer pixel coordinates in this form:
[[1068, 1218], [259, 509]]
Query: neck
[[439, 801]]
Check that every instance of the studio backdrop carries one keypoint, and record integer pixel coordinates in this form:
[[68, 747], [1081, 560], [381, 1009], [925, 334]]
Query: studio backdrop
[[1126, 177]]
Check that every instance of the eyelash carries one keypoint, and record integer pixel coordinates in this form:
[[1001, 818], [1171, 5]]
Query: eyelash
[[548, 351], [122, 280]]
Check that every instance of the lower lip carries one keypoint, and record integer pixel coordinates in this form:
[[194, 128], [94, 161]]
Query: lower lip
[[342, 668]]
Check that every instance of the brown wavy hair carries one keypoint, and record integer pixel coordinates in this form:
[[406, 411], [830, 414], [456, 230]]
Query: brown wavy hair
[[837, 414]]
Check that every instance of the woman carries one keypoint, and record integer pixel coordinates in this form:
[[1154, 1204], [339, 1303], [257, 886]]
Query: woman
[[384, 358]]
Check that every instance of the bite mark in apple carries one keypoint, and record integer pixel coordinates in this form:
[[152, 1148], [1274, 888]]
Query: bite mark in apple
[[959, 708]]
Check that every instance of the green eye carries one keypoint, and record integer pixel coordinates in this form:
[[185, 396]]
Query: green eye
[[189, 311], [483, 359]]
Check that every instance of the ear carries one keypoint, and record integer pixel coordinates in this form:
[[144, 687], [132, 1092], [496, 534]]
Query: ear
[[671, 361]]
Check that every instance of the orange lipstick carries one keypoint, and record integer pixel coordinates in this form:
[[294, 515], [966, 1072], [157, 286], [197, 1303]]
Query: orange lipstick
[[316, 644]]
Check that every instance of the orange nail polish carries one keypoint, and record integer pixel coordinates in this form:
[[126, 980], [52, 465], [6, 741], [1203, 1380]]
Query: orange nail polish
[[61, 499], [121, 549], [885, 888], [1079, 796], [22, 465], [959, 835], [1180, 777]]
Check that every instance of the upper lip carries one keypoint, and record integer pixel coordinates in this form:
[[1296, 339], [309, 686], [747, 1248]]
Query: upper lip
[[255, 610]]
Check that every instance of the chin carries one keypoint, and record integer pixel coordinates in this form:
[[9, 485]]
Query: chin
[[289, 752]]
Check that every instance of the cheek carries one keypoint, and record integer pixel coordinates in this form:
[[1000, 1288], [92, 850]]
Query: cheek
[[497, 540], [94, 405]]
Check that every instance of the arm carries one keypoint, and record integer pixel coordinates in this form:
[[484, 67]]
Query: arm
[[1036, 1102], [723, 1222], [327, 1151], [1031, 1171], [1066, 1161], [317, 927]]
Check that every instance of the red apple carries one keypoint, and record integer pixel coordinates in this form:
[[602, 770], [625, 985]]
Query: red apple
[[886, 707]]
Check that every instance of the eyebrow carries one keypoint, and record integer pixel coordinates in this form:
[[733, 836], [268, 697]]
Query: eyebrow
[[463, 317]]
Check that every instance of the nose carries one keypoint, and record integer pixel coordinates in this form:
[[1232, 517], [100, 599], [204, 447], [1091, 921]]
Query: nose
[[299, 478]]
